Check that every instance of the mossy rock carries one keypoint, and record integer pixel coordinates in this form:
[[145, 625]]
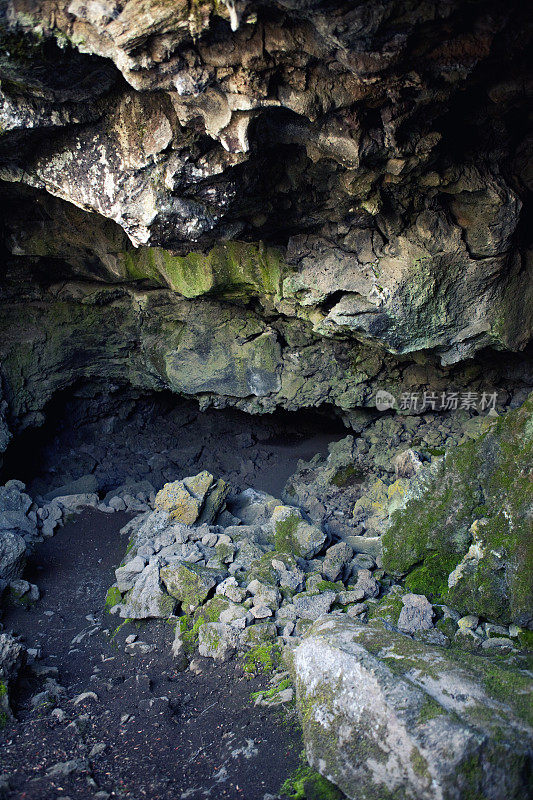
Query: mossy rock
[[463, 534]]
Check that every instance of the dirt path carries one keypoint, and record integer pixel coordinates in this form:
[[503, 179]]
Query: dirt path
[[152, 732]]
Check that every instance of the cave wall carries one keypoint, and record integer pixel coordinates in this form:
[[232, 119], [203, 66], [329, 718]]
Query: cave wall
[[263, 204]]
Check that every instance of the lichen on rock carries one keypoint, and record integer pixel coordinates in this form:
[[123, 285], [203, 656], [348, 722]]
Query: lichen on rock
[[464, 531]]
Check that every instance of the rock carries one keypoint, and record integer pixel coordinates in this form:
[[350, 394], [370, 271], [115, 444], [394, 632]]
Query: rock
[[15, 508], [292, 534], [12, 555], [87, 484], [117, 504], [128, 574], [416, 614], [370, 545], [236, 615], [261, 612], [264, 594], [12, 656], [469, 621], [195, 499], [406, 464], [436, 729], [474, 562], [230, 588], [312, 606], [64, 768], [351, 596], [336, 559], [252, 507], [357, 610], [258, 634], [217, 640], [181, 505], [190, 583], [74, 503], [147, 599], [366, 583], [84, 697]]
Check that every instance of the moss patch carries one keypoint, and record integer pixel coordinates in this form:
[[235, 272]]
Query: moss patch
[[264, 657], [285, 535], [307, 784]]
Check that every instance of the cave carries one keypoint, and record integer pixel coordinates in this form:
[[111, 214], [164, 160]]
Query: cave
[[266, 400]]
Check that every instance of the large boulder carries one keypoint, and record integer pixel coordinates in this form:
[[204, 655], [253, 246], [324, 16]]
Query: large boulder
[[195, 499], [463, 533], [386, 717]]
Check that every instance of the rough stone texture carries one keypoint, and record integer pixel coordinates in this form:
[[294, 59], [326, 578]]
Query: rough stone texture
[[384, 716], [304, 162], [464, 531], [12, 555], [416, 614], [292, 534], [147, 599], [12, 655], [217, 640], [190, 583]]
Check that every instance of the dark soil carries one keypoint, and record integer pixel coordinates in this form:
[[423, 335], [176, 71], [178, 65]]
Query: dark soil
[[205, 740]]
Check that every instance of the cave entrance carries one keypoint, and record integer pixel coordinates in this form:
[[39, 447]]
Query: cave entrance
[[98, 437]]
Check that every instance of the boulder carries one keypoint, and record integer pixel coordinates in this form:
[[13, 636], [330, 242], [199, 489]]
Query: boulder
[[292, 534], [196, 499], [416, 614], [74, 503], [181, 505], [12, 555], [12, 656], [190, 583], [312, 605], [217, 640], [128, 574], [147, 599], [463, 533], [385, 716], [87, 484]]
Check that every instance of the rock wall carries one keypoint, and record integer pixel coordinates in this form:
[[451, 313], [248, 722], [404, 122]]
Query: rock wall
[[279, 203]]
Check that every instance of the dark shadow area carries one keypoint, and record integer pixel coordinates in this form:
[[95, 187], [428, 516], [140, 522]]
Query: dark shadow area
[[121, 436]]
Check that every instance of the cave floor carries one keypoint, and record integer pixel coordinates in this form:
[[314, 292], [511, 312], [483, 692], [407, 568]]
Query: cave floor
[[205, 740]]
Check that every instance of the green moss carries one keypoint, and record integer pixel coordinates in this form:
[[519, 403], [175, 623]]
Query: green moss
[[430, 710], [264, 657], [479, 492], [285, 535], [388, 608], [232, 269], [119, 627], [266, 694], [419, 764], [112, 598], [330, 586], [431, 577], [3, 689], [189, 625], [525, 639], [347, 476], [307, 784]]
